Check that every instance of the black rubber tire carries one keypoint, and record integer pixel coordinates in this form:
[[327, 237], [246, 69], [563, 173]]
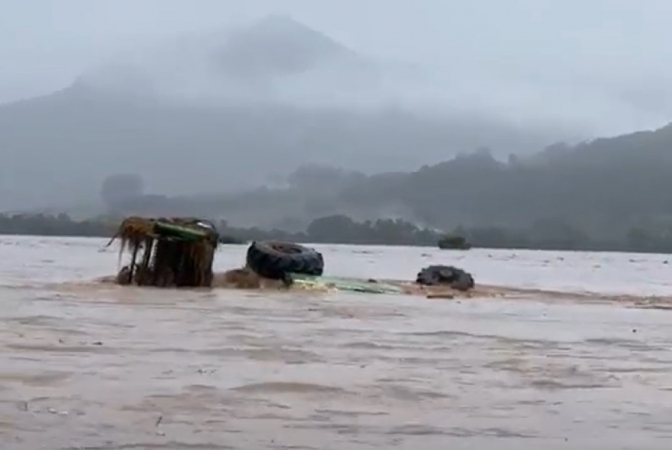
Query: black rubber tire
[[273, 259], [451, 276]]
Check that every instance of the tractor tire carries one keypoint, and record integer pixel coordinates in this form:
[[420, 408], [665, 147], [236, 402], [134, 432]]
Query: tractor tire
[[276, 260], [451, 276]]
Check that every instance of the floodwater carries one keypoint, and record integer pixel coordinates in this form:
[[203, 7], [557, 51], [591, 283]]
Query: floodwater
[[92, 366]]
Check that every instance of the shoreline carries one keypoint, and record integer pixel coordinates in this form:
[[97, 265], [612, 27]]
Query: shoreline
[[447, 251], [382, 232]]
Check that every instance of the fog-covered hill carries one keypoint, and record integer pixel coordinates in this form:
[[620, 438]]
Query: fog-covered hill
[[224, 111]]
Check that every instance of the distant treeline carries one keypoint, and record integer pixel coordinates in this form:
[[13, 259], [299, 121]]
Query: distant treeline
[[339, 229]]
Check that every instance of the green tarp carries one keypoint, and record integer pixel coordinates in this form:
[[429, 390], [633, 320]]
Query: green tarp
[[346, 284]]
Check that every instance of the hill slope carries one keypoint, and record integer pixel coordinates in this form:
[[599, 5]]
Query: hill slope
[[605, 188], [607, 185], [212, 119]]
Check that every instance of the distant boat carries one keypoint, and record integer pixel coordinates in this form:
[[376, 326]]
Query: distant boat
[[454, 243]]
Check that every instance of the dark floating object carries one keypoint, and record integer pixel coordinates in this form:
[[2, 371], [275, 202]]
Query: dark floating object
[[277, 260], [452, 242], [450, 276]]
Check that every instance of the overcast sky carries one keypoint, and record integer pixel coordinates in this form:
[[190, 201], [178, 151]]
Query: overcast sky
[[614, 52]]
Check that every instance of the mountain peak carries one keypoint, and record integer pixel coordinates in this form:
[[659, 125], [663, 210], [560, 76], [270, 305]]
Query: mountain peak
[[288, 30], [277, 44], [280, 23]]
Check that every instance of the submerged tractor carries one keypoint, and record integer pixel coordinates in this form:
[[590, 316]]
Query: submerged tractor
[[167, 252], [179, 253]]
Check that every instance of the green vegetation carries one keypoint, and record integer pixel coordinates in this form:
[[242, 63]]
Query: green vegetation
[[59, 225], [339, 229]]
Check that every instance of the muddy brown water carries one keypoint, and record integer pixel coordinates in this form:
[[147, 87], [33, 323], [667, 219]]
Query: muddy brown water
[[92, 366]]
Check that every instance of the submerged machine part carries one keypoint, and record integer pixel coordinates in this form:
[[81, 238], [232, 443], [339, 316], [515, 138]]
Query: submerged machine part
[[167, 252]]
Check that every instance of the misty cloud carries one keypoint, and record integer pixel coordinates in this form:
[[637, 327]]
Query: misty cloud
[[586, 63], [229, 93]]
